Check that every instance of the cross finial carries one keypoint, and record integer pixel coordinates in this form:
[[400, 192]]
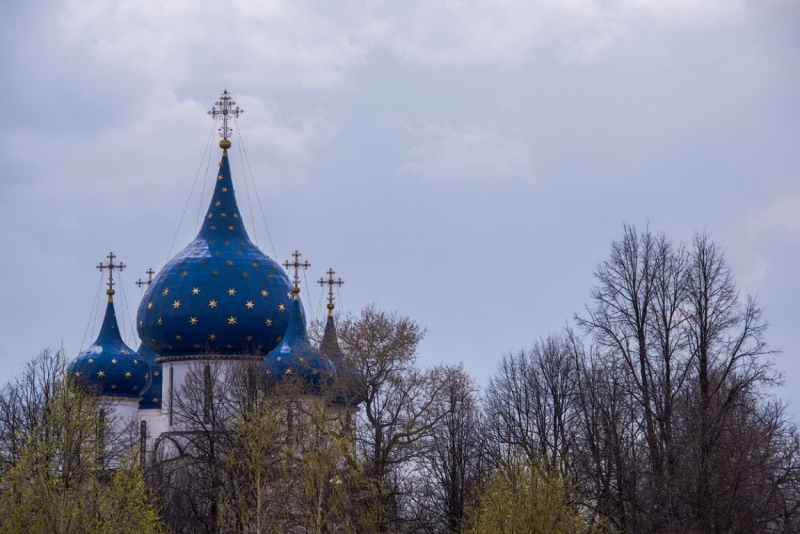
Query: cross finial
[[226, 108], [330, 282], [111, 266], [297, 266], [149, 272]]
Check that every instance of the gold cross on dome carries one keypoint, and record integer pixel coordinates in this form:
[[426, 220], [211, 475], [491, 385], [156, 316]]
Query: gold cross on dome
[[296, 266], [111, 266], [330, 282], [150, 272], [225, 108]]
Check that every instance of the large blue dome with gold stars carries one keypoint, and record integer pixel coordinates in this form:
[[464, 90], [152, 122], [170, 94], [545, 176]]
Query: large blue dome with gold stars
[[220, 295], [110, 364], [295, 358]]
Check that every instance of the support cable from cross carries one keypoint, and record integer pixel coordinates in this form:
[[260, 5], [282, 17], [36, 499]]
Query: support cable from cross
[[110, 266], [296, 266], [330, 282]]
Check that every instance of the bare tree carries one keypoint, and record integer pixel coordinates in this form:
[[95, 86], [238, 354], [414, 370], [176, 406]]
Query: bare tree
[[398, 399], [450, 467], [530, 405]]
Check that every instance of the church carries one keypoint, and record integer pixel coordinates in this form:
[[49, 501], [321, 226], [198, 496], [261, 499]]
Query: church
[[221, 300]]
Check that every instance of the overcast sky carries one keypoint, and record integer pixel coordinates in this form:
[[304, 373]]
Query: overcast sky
[[466, 163]]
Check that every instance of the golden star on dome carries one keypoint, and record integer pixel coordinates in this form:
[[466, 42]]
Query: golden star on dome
[[288, 371], [202, 262], [155, 399], [212, 337], [165, 292], [269, 322], [193, 320], [229, 262], [278, 339], [249, 338], [218, 203], [77, 373], [235, 215], [210, 215], [264, 293], [223, 214], [255, 264], [231, 320], [240, 253], [231, 292], [136, 361], [270, 275], [278, 358], [244, 273], [113, 386], [281, 307], [213, 227], [212, 303], [91, 360], [214, 273], [146, 375], [224, 189], [177, 337], [250, 304], [176, 304], [195, 290], [155, 373], [184, 273], [160, 321], [135, 388], [114, 361], [149, 305], [219, 177], [127, 374], [289, 295], [217, 253], [227, 243]]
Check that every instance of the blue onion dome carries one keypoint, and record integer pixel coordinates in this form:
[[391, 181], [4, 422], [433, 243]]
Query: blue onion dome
[[110, 364], [220, 296], [151, 398], [295, 358]]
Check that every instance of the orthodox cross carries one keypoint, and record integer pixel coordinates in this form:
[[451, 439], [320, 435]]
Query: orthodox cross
[[111, 266], [150, 272], [226, 108], [297, 266], [330, 282]]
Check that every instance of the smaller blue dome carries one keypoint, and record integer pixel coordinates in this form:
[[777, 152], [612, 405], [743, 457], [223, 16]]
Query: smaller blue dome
[[295, 358], [151, 398], [110, 364]]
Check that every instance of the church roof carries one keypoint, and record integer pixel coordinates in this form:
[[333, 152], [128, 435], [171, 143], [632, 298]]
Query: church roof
[[295, 358], [220, 295], [110, 364]]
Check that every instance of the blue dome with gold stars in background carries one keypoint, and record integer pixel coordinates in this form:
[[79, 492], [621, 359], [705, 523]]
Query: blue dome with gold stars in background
[[221, 295], [109, 363], [295, 358]]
